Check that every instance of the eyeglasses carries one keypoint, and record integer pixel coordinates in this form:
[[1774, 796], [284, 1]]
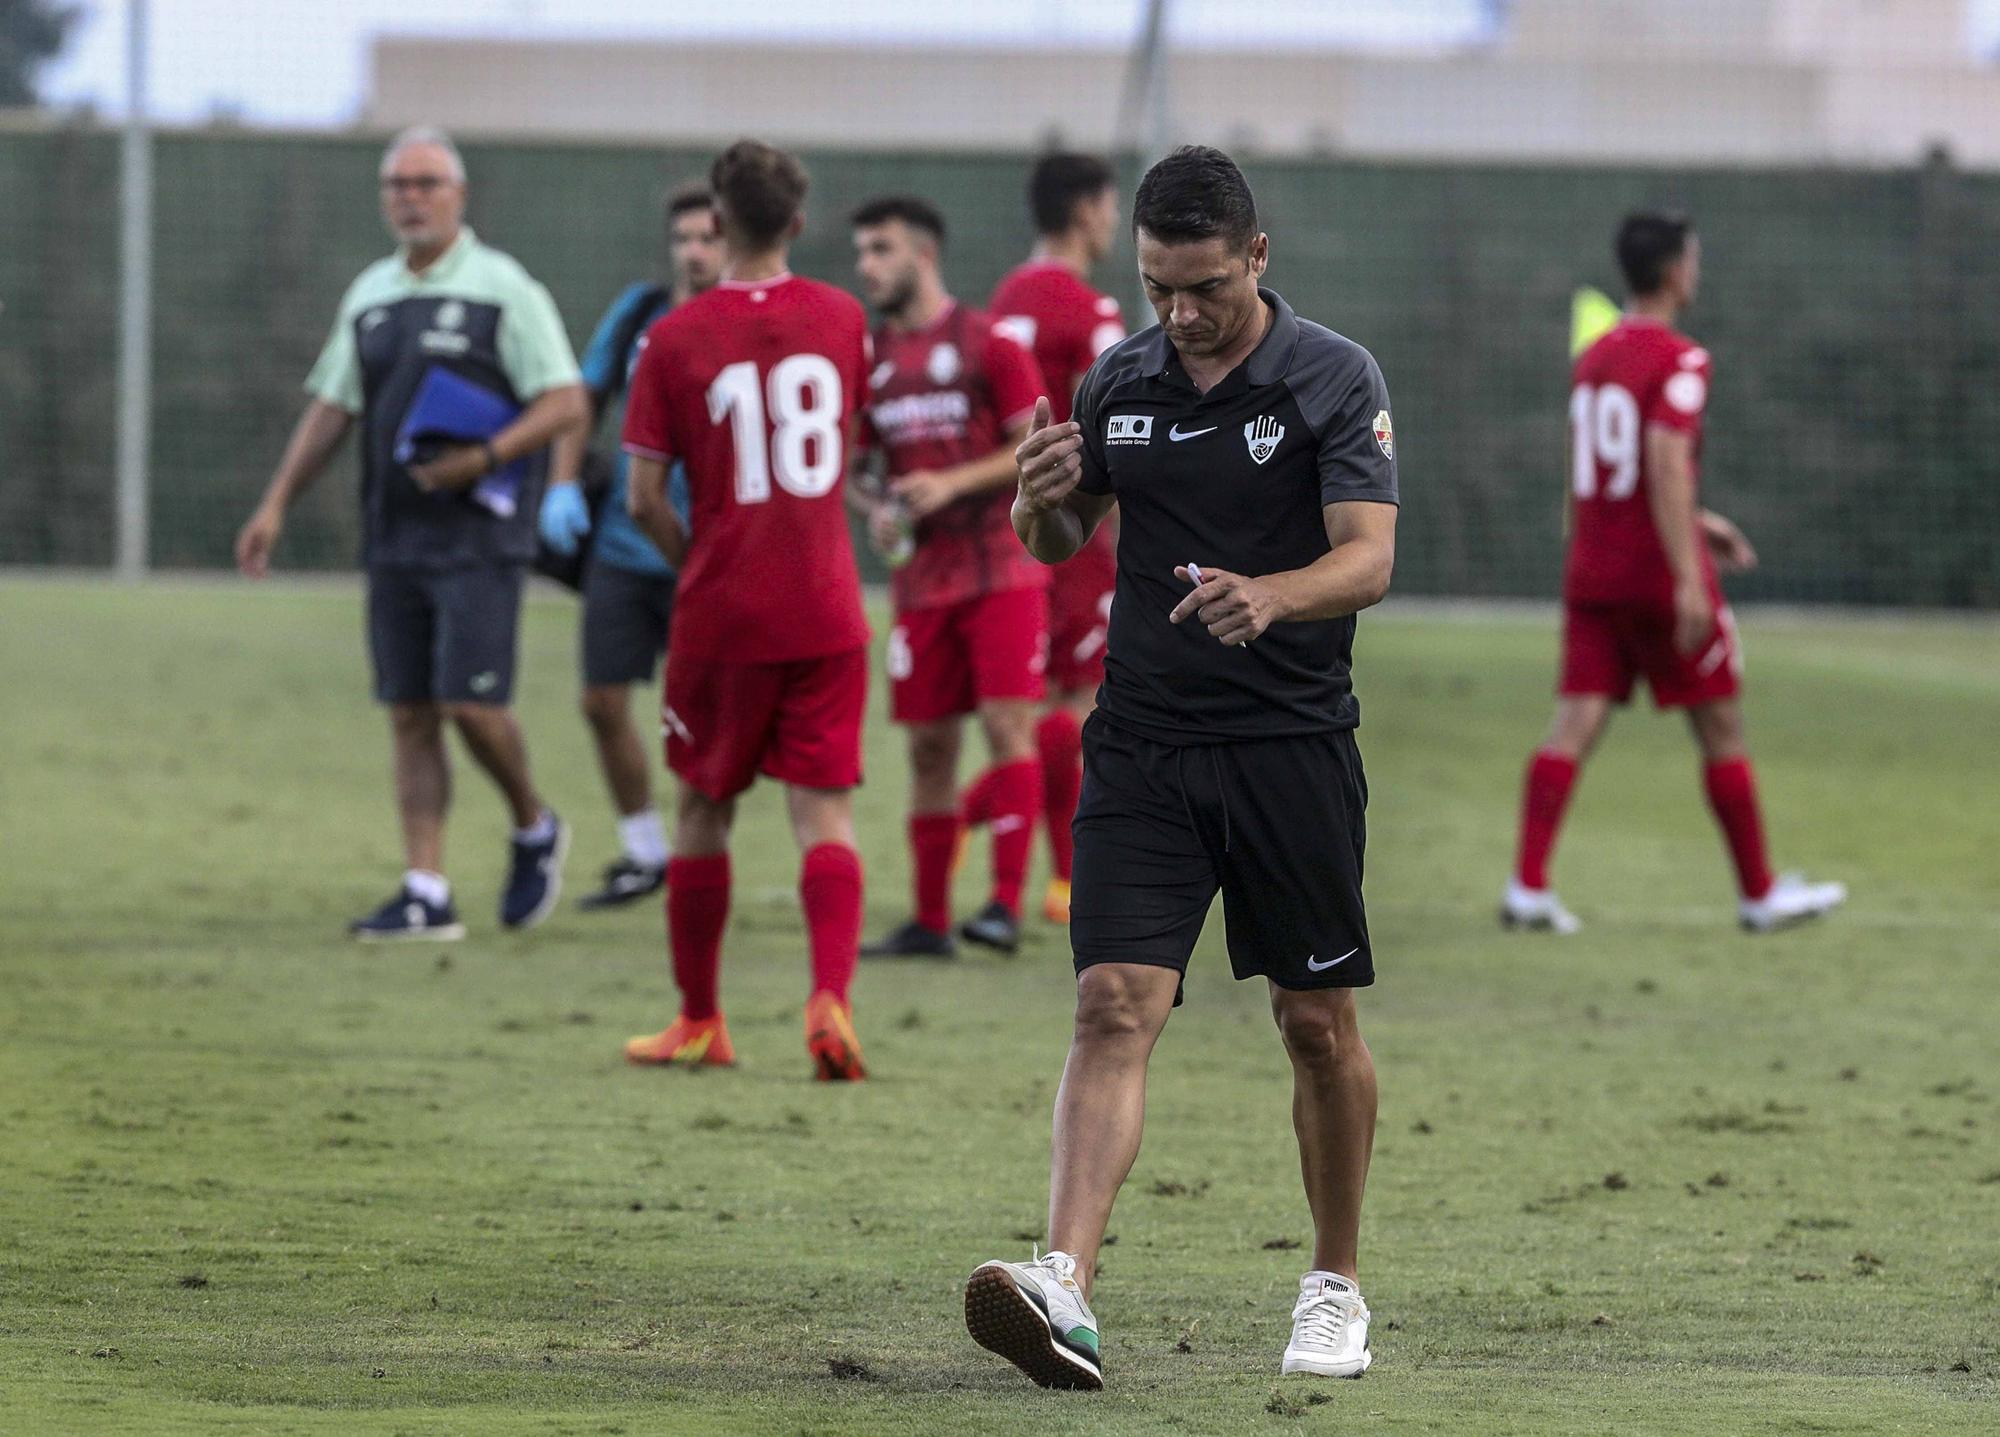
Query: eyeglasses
[[413, 184]]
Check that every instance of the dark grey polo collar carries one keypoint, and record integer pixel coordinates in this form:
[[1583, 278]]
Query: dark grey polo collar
[[1269, 362]]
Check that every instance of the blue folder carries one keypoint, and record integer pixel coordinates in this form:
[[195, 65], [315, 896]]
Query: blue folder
[[448, 408]]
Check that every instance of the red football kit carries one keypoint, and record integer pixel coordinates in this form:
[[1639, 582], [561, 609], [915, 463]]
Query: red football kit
[[971, 604], [1066, 324], [754, 386], [1618, 591]]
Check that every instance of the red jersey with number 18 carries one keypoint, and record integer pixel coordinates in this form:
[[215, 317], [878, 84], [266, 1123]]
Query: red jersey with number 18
[[754, 387], [1639, 375]]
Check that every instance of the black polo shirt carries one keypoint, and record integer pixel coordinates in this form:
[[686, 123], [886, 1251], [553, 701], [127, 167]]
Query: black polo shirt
[[1232, 479]]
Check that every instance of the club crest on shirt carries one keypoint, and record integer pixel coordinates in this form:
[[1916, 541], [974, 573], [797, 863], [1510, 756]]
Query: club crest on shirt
[[883, 373], [943, 364], [450, 314], [374, 317], [1385, 434], [1263, 434]]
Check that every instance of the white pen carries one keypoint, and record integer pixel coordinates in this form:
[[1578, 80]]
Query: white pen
[[1194, 575]]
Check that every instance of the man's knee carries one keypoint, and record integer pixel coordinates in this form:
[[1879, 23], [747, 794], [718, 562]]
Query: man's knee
[[415, 722], [1010, 729], [606, 707], [934, 750], [1112, 1007], [476, 716], [1317, 1031]]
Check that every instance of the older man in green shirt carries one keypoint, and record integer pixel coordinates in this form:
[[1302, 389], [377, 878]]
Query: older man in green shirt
[[444, 553]]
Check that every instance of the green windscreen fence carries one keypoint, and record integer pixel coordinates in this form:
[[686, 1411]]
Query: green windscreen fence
[[1854, 318]]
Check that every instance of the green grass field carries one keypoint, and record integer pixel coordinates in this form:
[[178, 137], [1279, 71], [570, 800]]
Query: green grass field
[[1660, 1177]]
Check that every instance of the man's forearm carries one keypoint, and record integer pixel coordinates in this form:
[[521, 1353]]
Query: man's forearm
[[552, 413], [1051, 535], [646, 502], [566, 455], [1345, 580], [1670, 498], [992, 471], [314, 438]]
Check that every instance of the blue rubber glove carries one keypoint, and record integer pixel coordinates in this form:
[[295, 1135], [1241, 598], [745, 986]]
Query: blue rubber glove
[[565, 518]]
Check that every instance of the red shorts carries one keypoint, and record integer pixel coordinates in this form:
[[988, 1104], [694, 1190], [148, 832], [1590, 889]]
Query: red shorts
[[947, 660], [1606, 647], [797, 722], [1080, 619]]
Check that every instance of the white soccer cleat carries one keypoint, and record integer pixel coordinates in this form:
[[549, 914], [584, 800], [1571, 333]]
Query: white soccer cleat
[[1537, 909], [1791, 900], [1329, 1328], [1033, 1314]]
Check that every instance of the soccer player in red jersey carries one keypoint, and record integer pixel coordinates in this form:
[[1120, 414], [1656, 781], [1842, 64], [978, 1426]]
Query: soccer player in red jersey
[[949, 398], [1048, 305], [754, 386], [1640, 593]]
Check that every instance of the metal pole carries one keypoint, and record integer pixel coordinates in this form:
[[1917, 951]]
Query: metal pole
[[135, 306]]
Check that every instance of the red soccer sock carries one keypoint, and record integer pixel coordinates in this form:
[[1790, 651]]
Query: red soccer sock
[[830, 893], [976, 804], [933, 848], [1059, 738], [1016, 798], [1544, 796], [1732, 794], [697, 911]]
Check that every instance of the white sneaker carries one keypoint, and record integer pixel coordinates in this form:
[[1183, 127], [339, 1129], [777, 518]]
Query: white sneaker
[[1791, 900], [1535, 908], [1329, 1328], [1033, 1314]]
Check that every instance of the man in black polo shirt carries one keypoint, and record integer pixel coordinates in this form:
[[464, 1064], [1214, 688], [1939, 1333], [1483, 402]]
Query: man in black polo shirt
[[1252, 457], [446, 540]]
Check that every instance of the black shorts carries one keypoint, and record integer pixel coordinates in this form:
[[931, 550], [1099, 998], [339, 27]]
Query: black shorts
[[444, 635], [1276, 824], [625, 618]]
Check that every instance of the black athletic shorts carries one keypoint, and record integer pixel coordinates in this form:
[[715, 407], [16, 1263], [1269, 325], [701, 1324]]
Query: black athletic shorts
[[444, 635], [1276, 824], [625, 618]]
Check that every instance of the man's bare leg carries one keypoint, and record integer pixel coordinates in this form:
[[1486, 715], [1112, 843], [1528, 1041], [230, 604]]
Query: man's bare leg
[[1333, 1113], [493, 736], [423, 783], [1121, 1009]]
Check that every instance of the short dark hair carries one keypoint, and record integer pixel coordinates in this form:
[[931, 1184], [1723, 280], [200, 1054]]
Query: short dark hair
[[1196, 193], [759, 190], [1649, 241], [687, 198], [913, 210], [1060, 181]]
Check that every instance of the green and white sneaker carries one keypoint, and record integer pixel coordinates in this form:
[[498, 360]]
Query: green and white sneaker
[[1329, 1328], [1033, 1314]]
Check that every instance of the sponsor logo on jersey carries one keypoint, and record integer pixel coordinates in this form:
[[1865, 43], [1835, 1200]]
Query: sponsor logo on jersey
[[1129, 429], [1385, 434], [1263, 434], [943, 364], [374, 317], [936, 413]]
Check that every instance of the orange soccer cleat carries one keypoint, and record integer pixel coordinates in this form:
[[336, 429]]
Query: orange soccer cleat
[[689, 1042], [1055, 902], [836, 1051]]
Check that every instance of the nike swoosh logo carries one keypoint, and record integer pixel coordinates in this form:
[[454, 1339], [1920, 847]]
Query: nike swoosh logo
[[1332, 963], [1176, 435]]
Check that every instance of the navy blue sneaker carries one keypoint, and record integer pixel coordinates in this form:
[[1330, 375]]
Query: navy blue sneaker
[[534, 878], [406, 917]]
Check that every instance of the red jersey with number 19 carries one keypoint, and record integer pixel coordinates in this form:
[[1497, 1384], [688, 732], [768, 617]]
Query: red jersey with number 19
[[754, 387], [1640, 374]]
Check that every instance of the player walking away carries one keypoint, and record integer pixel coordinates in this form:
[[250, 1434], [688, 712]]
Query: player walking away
[[628, 588], [1049, 306], [445, 557], [753, 386], [1640, 594], [1252, 456], [949, 398]]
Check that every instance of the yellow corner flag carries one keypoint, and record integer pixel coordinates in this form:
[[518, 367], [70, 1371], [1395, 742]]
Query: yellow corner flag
[[1592, 313]]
